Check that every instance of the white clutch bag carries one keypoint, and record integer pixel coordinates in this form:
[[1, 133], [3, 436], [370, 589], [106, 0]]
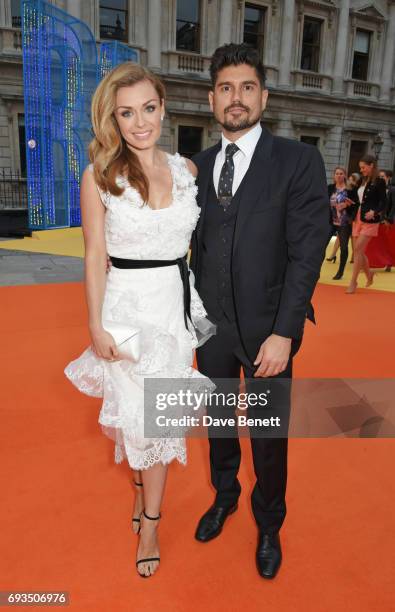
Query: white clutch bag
[[127, 339]]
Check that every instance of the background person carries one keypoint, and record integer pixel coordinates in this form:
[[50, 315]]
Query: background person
[[372, 198], [344, 204], [381, 251]]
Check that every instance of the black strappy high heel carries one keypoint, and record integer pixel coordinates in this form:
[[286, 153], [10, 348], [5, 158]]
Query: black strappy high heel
[[150, 518], [332, 259], [137, 520]]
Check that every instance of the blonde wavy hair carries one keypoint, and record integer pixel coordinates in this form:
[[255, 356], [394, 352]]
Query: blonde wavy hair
[[108, 151], [343, 170]]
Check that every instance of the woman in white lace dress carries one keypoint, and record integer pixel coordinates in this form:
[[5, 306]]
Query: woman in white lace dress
[[138, 205]]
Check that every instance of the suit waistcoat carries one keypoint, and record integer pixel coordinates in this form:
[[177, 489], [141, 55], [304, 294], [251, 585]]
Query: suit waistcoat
[[216, 287]]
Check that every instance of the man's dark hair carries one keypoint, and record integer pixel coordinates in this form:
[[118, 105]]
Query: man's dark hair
[[388, 173], [233, 55]]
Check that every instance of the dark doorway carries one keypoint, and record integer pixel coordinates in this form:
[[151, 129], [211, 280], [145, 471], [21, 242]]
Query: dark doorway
[[189, 140], [312, 140], [22, 144], [358, 149]]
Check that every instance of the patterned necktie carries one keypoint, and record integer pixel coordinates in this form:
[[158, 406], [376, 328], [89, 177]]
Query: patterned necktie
[[226, 177]]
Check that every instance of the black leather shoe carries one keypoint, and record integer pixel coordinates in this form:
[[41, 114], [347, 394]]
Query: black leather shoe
[[268, 555], [211, 523]]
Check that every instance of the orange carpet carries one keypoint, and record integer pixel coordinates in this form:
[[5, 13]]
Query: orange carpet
[[66, 506]]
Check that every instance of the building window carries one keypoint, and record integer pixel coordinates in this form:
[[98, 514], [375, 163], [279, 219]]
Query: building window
[[311, 44], [16, 13], [311, 140], [22, 143], [188, 25], [189, 140], [358, 148], [114, 19], [254, 27], [361, 55]]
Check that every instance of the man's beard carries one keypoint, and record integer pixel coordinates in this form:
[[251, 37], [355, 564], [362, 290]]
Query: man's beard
[[242, 124]]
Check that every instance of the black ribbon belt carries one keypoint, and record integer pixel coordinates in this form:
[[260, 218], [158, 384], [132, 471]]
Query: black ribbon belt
[[181, 262]]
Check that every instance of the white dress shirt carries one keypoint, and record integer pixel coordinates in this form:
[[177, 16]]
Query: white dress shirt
[[241, 158], [360, 193]]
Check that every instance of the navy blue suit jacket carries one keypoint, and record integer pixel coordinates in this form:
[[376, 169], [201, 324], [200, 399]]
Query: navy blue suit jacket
[[281, 233]]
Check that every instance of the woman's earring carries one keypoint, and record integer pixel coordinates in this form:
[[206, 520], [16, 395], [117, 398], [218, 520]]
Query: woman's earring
[[162, 117]]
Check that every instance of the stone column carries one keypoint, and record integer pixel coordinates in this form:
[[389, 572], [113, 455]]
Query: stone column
[[341, 48], [154, 34], [74, 8], [287, 44], [389, 52], [5, 13], [225, 22]]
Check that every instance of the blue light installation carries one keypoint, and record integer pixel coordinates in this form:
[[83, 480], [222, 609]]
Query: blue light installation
[[60, 75], [113, 53], [60, 71]]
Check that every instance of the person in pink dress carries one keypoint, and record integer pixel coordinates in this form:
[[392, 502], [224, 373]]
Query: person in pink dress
[[372, 199]]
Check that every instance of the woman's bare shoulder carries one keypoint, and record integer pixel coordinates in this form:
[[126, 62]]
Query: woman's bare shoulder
[[191, 166]]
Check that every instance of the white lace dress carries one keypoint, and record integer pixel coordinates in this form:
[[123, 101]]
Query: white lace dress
[[152, 300]]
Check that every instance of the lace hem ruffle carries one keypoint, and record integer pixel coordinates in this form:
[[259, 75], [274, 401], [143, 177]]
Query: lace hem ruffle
[[121, 385]]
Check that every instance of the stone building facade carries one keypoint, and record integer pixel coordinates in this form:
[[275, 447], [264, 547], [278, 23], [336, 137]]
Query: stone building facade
[[330, 68]]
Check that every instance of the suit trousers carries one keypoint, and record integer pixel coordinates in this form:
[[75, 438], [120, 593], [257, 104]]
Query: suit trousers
[[223, 356]]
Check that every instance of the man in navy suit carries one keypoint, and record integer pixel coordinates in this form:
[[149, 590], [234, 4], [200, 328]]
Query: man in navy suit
[[256, 254]]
